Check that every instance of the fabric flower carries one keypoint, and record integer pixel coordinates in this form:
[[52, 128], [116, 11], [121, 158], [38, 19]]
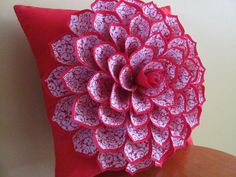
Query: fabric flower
[[130, 84]]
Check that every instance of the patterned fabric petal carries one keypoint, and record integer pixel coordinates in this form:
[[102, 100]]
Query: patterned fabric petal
[[84, 49], [110, 139], [158, 42], [76, 78], [81, 22], [120, 99], [126, 78], [160, 136], [201, 71], [191, 98], [155, 91], [132, 44], [170, 68], [177, 126], [111, 161], [101, 54], [62, 114], [102, 22], [139, 3], [138, 135], [151, 11], [166, 99], [115, 64], [180, 105], [54, 82], [138, 120], [64, 51], [99, 87], [181, 43], [83, 142], [110, 117], [175, 55], [85, 112], [176, 27], [136, 152], [201, 94], [160, 117], [104, 5], [161, 27], [140, 166], [183, 78], [139, 25], [192, 47], [193, 117]]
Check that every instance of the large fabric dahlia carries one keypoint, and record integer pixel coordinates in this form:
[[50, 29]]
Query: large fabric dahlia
[[130, 84]]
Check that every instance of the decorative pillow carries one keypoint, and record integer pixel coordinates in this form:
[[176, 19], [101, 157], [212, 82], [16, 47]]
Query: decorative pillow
[[123, 84]]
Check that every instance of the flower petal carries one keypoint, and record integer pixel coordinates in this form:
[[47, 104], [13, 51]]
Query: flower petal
[[84, 49], [141, 103], [193, 117], [191, 98], [85, 112], [110, 139], [120, 99], [83, 142], [115, 64], [160, 136], [175, 25], [136, 152], [81, 22], [177, 126], [132, 44], [54, 82], [183, 78], [126, 11], [201, 71], [160, 117], [101, 54], [126, 78], [62, 114], [99, 87], [118, 34], [175, 55], [166, 99], [151, 11], [139, 26], [181, 43], [155, 91], [76, 78], [104, 5], [102, 21], [136, 2], [158, 42], [64, 51], [180, 105], [138, 135], [138, 120], [110, 117], [170, 69], [192, 47], [140, 166], [201, 94], [141, 57], [161, 27], [111, 161]]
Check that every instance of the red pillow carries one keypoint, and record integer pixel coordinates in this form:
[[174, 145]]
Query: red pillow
[[52, 42]]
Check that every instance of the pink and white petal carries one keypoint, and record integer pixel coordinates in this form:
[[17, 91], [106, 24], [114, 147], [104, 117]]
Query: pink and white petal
[[110, 139], [111, 161], [171, 69], [84, 49], [85, 112], [141, 103], [151, 11], [138, 120], [161, 153], [160, 117], [83, 142], [136, 2], [183, 78], [76, 78], [160, 135], [54, 82], [81, 22], [102, 22], [177, 126], [157, 41], [155, 91], [132, 44], [110, 117], [178, 142], [192, 67], [120, 99], [138, 167], [101, 54], [191, 98], [192, 47], [139, 26], [201, 71], [193, 117], [161, 27], [136, 152], [175, 25], [175, 55], [126, 78], [181, 43], [138, 135], [62, 114], [118, 34], [100, 86], [201, 93], [166, 99], [141, 57], [180, 105], [64, 51], [115, 64], [104, 5]]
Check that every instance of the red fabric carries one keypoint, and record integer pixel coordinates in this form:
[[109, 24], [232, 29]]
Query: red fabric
[[41, 27]]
